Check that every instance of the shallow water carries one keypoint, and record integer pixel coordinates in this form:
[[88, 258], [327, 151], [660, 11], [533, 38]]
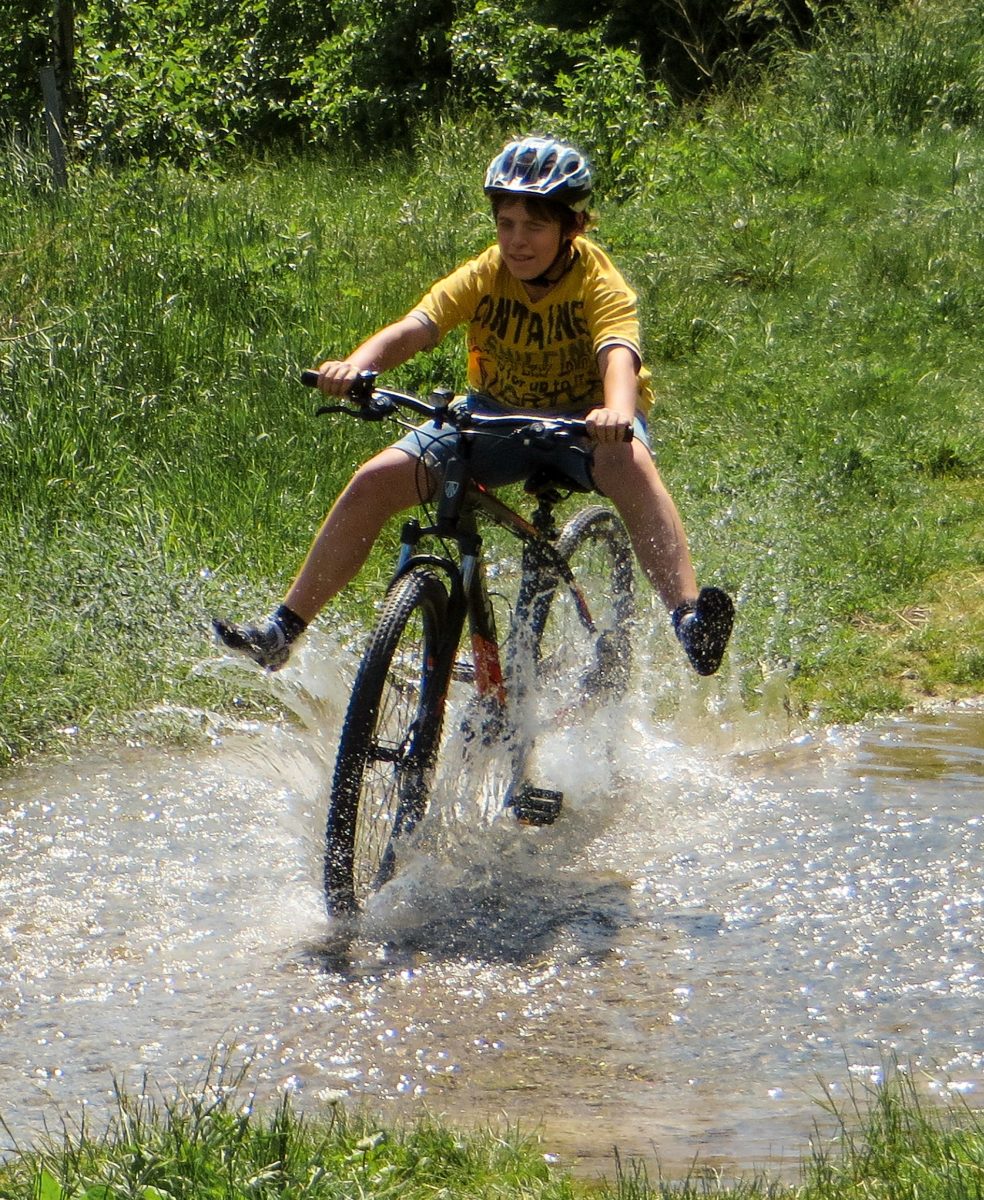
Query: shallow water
[[731, 918]]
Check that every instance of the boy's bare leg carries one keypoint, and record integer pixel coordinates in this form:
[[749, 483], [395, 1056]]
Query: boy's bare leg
[[627, 475], [701, 620], [386, 485]]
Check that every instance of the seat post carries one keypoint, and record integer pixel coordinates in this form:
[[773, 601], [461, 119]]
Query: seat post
[[543, 514]]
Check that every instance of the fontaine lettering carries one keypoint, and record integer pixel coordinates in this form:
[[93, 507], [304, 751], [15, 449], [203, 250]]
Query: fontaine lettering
[[519, 325]]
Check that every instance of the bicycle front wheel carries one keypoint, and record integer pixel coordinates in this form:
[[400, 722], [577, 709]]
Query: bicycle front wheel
[[581, 634], [389, 741]]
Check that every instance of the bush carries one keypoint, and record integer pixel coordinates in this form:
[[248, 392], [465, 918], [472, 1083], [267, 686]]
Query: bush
[[21, 55], [613, 112], [184, 79], [509, 65], [378, 69]]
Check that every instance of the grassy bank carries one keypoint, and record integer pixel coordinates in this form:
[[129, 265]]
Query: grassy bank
[[811, 281], [213, 1144]]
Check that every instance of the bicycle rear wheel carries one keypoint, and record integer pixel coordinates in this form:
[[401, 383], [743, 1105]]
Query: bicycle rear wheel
[[389, 741], [575, 657]]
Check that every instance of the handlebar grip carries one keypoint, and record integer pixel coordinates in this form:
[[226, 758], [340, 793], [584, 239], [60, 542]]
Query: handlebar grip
[[582, 430], [361, 389]]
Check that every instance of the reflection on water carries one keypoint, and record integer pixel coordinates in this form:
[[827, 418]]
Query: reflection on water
[[705, 940]]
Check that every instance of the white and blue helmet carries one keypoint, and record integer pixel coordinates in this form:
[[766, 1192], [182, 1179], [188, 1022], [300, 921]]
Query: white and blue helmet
[[541, 167]]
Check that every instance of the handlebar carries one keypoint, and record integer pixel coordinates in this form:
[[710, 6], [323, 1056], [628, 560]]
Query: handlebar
[[376, 403]]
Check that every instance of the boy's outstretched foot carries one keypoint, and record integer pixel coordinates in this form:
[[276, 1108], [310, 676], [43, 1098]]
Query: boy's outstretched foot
[[703, 628], [268, 643]]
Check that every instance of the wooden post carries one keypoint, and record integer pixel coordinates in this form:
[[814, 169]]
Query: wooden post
[[58, 86], [53, 125]]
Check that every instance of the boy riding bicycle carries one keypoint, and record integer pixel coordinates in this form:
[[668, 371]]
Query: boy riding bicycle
[[551, 328]]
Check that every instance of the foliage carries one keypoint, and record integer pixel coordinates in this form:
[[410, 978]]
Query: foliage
[[187, 80], [508, 64], [690, 45], [24, 49], [542, 77], [381, 66], [184, 79], [893, 1143], [613, 111], [214, 1143]]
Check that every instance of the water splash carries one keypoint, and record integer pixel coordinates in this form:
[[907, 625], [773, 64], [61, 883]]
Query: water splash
[[730, 909]]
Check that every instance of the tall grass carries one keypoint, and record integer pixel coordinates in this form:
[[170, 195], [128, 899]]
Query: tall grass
[[212, 1143], [893, 1143], [812, 291], [889, 68]]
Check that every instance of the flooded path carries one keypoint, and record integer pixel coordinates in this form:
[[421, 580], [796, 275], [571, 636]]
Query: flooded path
[[706, 940]]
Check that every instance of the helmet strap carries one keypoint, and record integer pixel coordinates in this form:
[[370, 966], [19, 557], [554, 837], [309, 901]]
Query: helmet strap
[[569, 257]]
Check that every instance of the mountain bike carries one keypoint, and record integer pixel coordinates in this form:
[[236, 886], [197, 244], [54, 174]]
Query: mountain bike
[[569, 634]]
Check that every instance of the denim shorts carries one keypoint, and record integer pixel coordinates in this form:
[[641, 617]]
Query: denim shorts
[[498, 460]]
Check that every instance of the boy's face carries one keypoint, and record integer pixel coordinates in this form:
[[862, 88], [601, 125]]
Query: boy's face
[[529, 244]]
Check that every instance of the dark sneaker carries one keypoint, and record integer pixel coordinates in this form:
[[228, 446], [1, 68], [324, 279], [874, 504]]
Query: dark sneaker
[[703, 628], [266, 644]]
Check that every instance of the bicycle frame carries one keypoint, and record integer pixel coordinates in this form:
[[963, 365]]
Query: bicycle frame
[[502, 682], [498, 684]]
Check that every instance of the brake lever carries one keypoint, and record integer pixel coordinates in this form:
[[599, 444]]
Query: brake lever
[[375, 408], [370, 406]]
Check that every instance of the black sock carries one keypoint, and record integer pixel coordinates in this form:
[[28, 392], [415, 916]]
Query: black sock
[[288, 620]]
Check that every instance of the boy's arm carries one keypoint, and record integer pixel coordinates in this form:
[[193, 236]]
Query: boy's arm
[[619, 368], [387, 348]]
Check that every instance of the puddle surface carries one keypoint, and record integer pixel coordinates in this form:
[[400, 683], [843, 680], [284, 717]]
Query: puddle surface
[[708, 937]]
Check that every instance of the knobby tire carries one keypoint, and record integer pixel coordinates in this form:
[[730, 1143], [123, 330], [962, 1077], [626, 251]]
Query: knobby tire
[[388, 743], [596, 665]]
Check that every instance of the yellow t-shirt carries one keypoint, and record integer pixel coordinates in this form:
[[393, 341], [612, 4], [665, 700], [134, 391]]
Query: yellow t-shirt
[[539, 354]]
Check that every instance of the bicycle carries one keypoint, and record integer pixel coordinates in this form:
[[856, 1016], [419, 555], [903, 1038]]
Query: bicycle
[[570, 629]]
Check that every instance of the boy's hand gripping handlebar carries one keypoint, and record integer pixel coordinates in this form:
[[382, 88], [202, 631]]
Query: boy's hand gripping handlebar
[[375, 405]]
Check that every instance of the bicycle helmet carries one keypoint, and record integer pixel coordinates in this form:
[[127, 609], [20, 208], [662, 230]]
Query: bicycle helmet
[[541, 167]]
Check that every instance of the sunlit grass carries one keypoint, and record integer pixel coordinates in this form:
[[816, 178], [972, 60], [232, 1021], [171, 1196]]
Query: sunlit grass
[[890, 1143], [812, 293], [213, 1144]]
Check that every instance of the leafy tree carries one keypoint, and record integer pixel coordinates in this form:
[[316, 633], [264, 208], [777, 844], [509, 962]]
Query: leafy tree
[[380, 65], [503, 61], [187, 78], [613, 111], [25, 47], [688, 45]]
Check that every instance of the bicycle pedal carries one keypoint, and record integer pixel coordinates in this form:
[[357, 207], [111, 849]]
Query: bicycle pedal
[[535, 806]]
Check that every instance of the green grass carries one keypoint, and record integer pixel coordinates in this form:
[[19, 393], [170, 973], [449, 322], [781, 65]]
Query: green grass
[[214, 1145], [810, 273], [893, 1144]]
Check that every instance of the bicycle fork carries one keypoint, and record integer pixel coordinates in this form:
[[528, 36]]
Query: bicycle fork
[[532, 805]]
